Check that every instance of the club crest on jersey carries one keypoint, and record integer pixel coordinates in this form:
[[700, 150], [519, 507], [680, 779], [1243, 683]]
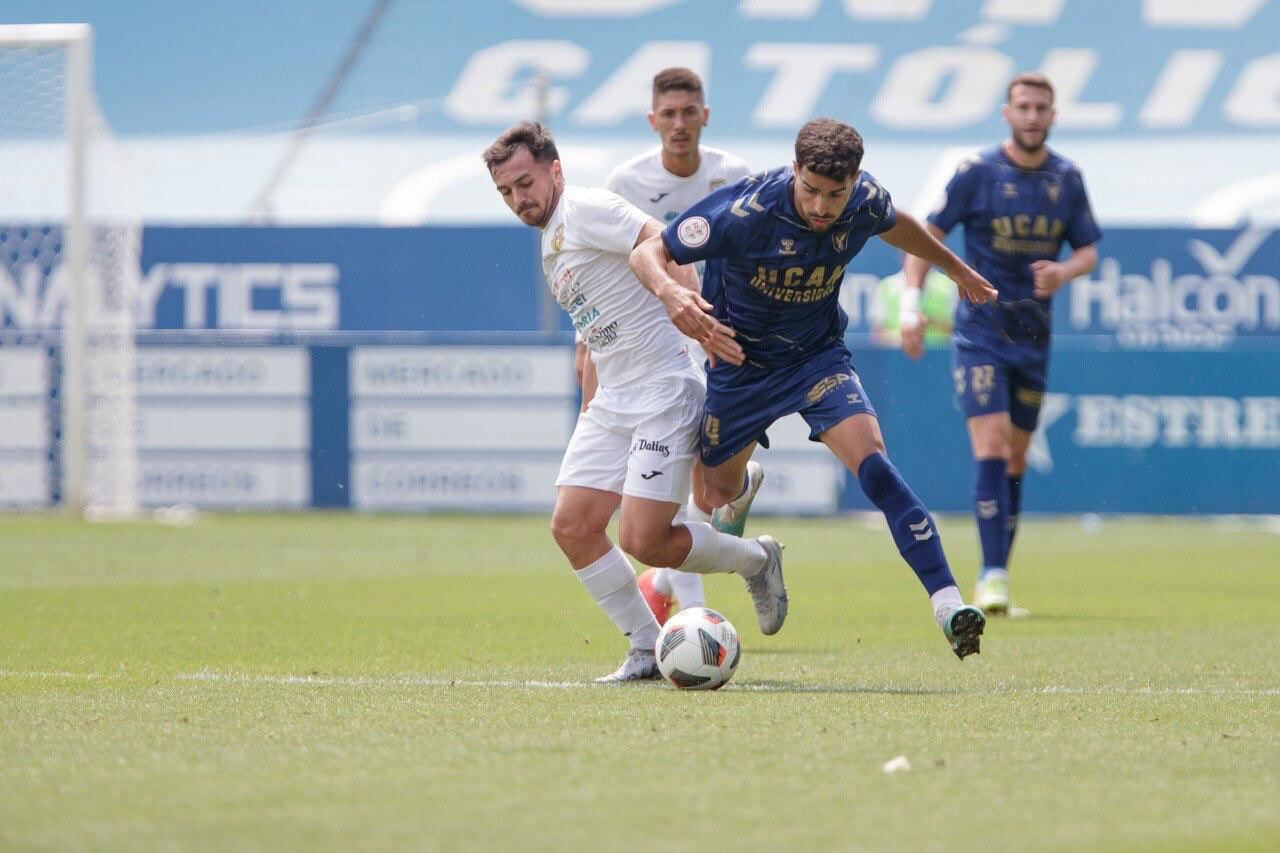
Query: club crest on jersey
[[694, 231], [788, 246], [557, 238], [1009, 189], [840, 241], [1052, 190]]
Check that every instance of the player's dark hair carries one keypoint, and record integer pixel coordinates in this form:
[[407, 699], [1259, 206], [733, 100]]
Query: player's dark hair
[[829, 148], [1029, 78], [527, 134], [677, 79]]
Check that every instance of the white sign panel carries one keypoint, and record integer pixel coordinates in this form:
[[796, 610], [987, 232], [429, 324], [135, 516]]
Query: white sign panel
[[262, 425], [792, 434], [525, 425], [798, 484], [24, 481], [24, 372], [453, 483], [215, 481], [463, 372], [198, 371], [24, 424]]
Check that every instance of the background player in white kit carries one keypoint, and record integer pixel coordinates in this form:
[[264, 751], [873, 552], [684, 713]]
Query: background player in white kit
[[663, 182], [635, 444]]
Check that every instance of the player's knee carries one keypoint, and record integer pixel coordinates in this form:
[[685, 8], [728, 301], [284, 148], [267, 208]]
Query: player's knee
[[1017, 464], [720, 493], [644, 544], [568, 528]]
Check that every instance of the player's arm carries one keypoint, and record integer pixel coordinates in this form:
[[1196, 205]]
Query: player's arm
[[1082, 235], [678, 289], [911, 237], [585, 369], [911, 321], [1050, 276]]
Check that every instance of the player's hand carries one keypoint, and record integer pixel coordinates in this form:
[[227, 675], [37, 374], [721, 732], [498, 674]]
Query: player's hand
[[974, 287], [722, 347], [1049, 276], [912, 336], [691, 314]]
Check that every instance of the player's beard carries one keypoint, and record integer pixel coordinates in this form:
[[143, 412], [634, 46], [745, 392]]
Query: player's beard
[[1020, 139]]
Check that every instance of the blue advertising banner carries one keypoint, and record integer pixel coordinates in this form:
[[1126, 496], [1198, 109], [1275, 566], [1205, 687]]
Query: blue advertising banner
[[1163, 396], [895, 67]]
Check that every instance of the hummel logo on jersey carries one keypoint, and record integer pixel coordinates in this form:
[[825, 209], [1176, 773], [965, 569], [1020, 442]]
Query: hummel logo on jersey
[[922, 530], [788, 246], [650, 475], [1010, 190], [659, 197]]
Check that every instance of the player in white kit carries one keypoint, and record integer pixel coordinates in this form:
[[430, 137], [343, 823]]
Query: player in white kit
[[663, 182], [635, 444]]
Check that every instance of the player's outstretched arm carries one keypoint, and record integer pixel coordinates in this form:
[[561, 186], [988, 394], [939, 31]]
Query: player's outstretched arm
[[1050, 276], [689, 312], [911, 237], [911, 320]]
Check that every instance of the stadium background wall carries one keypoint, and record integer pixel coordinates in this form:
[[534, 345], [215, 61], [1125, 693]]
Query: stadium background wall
[[403, 369]]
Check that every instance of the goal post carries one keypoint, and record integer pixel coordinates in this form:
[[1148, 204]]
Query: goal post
[[69, 268]]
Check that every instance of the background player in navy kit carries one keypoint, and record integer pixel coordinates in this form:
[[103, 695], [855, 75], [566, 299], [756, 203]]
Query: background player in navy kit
[[776, 246], [1018, 202]]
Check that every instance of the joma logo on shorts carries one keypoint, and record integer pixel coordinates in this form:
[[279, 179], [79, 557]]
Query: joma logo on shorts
[[642, 444]]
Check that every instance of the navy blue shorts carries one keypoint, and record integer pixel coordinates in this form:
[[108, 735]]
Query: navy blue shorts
[[743, 402], [1005, 378]]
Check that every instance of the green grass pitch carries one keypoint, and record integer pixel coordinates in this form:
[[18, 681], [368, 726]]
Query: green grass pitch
[[337, 681]]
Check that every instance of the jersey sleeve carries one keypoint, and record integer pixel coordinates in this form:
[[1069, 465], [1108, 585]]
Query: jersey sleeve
[[614, 183], [956, 198], [879, 204], [735, 168], [609, 222], [716, 227], [1083, 230]]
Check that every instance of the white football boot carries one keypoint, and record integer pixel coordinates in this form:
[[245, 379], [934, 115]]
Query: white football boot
[[768, 591], [638, 665]]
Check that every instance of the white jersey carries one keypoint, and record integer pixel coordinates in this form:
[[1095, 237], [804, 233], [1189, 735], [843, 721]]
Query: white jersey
[[647, 184], [586, 246]]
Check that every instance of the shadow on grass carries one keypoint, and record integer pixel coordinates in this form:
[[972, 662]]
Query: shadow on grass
[[775, 686]]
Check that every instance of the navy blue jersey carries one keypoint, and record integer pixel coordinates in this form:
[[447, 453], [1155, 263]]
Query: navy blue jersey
[[769, 276], [1012, 217]]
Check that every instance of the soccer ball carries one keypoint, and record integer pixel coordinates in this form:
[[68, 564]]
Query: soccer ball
[[698, 649]]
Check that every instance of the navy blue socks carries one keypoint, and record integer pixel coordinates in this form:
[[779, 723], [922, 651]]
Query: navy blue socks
[[913, 529], [1015, 507], [991, 508]]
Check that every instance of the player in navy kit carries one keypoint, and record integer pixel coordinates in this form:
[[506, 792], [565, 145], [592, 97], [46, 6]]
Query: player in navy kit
[[1018, 201], [776, 246]]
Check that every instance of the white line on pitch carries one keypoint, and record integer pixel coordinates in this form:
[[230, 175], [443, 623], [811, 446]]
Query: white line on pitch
[[68, 676], [421, 681], [425, 681]]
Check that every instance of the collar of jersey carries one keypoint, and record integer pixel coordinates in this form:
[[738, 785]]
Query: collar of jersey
[[787, 210]]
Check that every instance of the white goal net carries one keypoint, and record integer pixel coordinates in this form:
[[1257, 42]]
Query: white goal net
[[69, 269]]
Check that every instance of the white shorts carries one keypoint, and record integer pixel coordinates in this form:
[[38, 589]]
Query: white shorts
[[639, 440]]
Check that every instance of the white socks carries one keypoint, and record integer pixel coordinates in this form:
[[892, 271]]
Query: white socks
[[714, 551], [612, 583], [944, 601], [687, 586]]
